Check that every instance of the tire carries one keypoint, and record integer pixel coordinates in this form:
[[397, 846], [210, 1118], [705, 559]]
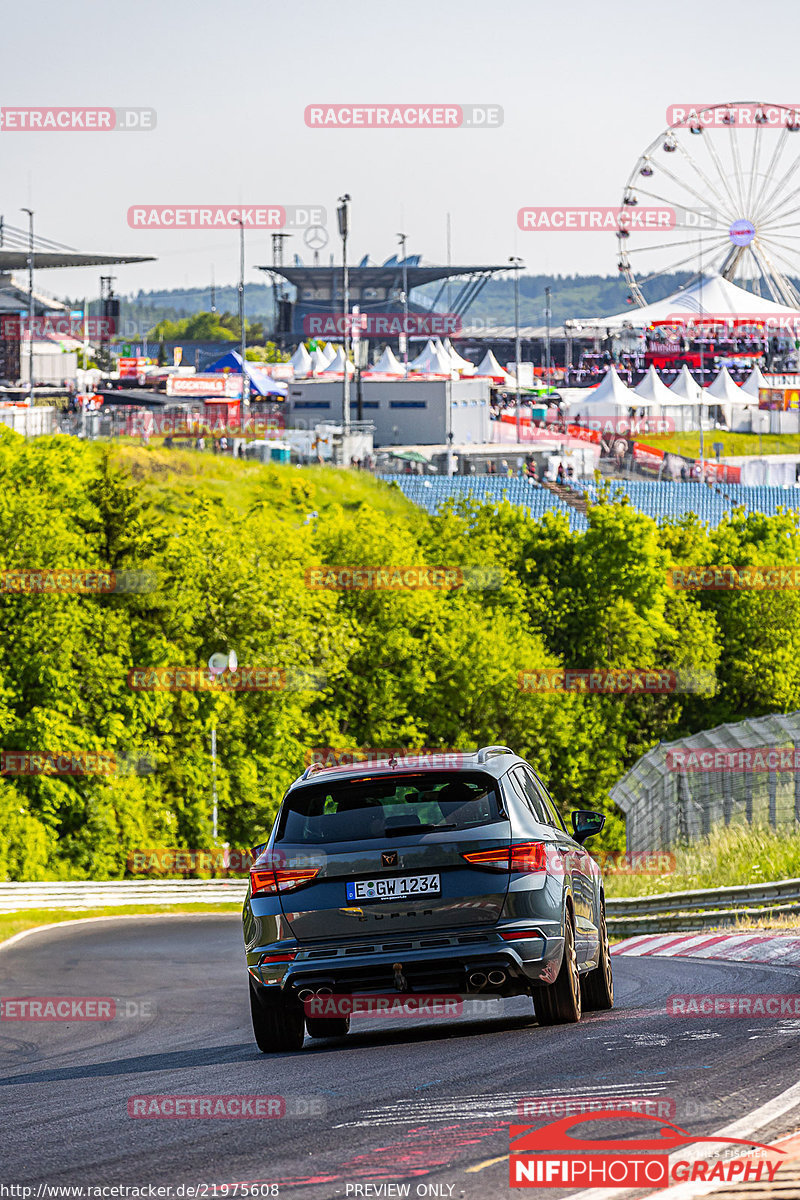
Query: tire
[[278, 1025], [560, 1002], [597, 987], [328, 1027]]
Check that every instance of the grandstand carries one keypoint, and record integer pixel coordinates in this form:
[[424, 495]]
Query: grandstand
[[661, 501], [432, 492]]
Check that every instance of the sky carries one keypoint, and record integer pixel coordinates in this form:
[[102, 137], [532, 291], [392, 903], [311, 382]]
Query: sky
[[584, 89]]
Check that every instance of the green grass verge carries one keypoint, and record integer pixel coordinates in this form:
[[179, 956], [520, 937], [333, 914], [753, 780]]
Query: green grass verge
[[16, 922], [728, 857], [688, 444], [176, 478]]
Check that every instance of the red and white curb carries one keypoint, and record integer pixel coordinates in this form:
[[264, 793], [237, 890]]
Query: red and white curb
[[775, 948]]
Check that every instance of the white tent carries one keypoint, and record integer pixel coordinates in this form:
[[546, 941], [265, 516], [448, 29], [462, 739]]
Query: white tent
[[387, 364], [336, 366], [330, 351], [685, 389], [318, 362], [754, 381], [462, 365], [725, 391], [423, 357], [652, 391], [300, 362], [711, 294], [612, 391], [489, 368], [432, 361]]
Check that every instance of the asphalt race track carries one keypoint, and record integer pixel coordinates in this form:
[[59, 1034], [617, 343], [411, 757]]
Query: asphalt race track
[[422, 1103]]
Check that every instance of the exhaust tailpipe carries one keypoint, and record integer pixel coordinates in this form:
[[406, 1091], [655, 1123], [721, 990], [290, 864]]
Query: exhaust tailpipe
[[324, 991], [306, 993], [497, 978], [477, 980]]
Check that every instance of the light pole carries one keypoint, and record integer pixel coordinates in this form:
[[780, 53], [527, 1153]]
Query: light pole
[[547, 343], [30, 304], [243, 348], [218, 664], [402, 240], [343, 215], [517, 264]]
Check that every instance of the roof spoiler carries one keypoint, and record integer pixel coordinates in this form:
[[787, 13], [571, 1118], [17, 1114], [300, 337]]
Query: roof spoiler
[[487, 752]]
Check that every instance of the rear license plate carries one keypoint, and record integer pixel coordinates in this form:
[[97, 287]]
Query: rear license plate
[[395, 888]]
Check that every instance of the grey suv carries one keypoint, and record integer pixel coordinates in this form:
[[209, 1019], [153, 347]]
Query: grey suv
[[410, 877]]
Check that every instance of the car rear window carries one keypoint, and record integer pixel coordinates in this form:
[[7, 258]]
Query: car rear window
[[359, 810]]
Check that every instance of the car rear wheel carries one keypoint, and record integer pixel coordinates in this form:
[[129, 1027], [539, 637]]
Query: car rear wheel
[[327, 1027], [277, 1024], [597, 988], [560, 1003]]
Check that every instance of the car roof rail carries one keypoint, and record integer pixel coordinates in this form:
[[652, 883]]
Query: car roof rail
[[311, 768], [486, 752]]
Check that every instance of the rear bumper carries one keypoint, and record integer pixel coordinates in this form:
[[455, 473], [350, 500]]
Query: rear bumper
[[352, 968]]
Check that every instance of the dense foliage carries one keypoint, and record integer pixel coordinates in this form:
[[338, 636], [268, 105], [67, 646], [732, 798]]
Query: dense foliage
[[230, 543]]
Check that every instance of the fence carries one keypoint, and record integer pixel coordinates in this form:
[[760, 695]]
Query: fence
[[701, 909], [748, 773], [16, 897]]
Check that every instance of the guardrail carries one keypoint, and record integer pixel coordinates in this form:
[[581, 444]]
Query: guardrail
[[626, 916], [699, 909], [16, 897]]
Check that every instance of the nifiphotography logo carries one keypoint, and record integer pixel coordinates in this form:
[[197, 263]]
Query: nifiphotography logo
[[624, 1162]]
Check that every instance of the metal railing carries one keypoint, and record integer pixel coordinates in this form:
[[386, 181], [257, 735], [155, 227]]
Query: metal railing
[[701, 909], [80, 894]]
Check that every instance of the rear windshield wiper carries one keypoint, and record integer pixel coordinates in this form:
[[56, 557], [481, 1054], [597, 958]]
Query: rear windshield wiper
[[393, 830]]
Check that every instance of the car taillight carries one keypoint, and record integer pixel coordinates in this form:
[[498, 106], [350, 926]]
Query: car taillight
[[268, 881], [518, 935], [286, 957], [525, 856]]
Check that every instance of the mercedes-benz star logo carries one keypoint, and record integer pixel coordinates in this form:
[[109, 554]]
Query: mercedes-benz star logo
[[315, 237]]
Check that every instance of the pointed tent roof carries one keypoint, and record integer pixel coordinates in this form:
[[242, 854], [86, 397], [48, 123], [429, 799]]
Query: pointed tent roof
[[459, 364], [260, 382], [432, 361], [723, 388], [653, 390], [300, 362], [329, 352], [490, 368], [336, 365], [685, 389], [387, 364], [709, 294], [318, 362], [611, 390], [754, 381], [422, 357]]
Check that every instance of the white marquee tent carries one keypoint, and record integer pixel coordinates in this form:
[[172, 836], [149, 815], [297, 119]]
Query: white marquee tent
[[652, 391], [711, 294], [387, 364], [336, 366], [462, 365], [489, 368], [432, 361], [318, 362], [725, 391], [300, 362], [330, 351], [754, 381]]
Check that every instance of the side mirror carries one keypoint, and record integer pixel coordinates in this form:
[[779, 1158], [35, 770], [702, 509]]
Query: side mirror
[[586, 823]]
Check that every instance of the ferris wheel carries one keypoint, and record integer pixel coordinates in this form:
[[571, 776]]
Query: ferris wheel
[[730, 172]]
